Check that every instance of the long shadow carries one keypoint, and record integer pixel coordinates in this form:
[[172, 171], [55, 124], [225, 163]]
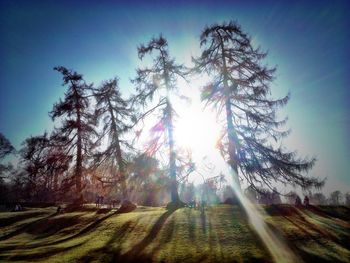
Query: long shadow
[[203, 220], [305, 255], [136, 251], [25, 227], [340, 212], [39, 255], [166, 238], [337, 230], [243, 221], [298, 217], [211, 237], [342, 240], [303, 230], [191, 223], [313, 227], [108, 248], [19, 217], [291, 211], [84, 230], [332, 212]]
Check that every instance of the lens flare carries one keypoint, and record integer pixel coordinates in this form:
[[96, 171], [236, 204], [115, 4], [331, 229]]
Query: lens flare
[[276, 245]]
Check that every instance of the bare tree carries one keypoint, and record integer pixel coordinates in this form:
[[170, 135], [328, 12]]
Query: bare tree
[[33, 157], [240, 89]]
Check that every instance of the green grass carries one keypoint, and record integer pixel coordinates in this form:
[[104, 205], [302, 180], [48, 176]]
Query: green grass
[[219, 234]]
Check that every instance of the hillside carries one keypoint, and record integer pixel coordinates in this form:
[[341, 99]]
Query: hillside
[[219, 234]]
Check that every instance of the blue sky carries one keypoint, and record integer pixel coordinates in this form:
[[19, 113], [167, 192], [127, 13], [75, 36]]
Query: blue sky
[[307, 40]]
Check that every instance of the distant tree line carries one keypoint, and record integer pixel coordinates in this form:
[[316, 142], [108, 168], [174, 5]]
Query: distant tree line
[[91, 151]]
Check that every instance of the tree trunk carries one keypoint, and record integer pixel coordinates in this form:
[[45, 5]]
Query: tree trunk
[[231, 143], [79, 162], [172, 155], [121, 171], [55, 181]]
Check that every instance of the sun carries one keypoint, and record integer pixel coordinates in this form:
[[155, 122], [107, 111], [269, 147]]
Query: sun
[[196, 128]]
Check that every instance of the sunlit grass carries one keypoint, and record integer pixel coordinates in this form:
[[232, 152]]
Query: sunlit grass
[[220, 233]]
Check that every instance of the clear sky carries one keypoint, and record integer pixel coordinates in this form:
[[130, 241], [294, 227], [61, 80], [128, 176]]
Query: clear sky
[[307, 40]]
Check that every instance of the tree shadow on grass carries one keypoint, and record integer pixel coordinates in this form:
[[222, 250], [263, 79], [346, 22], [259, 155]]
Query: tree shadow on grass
[[320, 237], [340, 212], [135, 254], [242, 221], [293, 214], [35, 256], [203, 220], [25, 227], [191, 221], [298, 219], [85, 230], [49, 230], [108, 252], [19, 216], [167, 237], [330, 212]]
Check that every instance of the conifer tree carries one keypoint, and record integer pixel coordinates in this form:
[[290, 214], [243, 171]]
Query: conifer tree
[[157, 82], [115, 114], [78, 123], [240, 91]]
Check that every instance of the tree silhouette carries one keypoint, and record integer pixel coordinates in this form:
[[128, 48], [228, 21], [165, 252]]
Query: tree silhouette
[[44, 160], [240, 89], [77, 130], [6, 148], [335, 198], [347, 199], [33, 156], [318, 199], [115, 113], [57, 163], [147, 180], [158, 81]]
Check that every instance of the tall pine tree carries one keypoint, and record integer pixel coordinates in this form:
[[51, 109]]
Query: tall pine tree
[[240, 90], [115, 114], [78, 124], [158, 81]]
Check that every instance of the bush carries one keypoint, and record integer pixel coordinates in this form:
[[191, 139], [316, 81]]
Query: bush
[[126, 207]]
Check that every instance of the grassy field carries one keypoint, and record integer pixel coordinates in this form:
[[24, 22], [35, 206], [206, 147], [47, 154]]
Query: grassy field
[[220, 233]]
